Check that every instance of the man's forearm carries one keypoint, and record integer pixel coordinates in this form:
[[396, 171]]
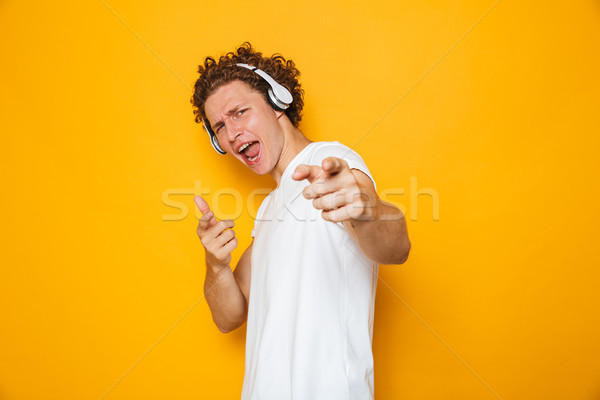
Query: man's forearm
[[225, 298], [384, 237]]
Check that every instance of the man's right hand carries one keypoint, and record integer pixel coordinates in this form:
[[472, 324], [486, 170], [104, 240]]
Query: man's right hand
[[217, 237]]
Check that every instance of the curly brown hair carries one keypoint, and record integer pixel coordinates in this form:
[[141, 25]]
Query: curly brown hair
[[214, 74]]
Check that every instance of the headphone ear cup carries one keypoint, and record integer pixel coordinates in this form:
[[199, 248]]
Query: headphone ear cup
[[213, 137], [216, 145], [279, 96], [275, 103]]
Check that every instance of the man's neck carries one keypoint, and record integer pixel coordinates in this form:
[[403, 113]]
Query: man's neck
[[294, 143]]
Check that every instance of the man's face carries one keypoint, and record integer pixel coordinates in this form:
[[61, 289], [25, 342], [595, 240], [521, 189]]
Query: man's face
[[243, 120]]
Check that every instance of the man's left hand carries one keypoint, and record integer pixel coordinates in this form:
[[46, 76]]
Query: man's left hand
[[335, 189]]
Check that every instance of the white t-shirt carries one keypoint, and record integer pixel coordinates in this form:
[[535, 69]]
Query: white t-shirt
[[312, 295]]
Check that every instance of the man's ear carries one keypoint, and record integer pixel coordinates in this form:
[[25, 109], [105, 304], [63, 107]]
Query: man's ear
[[278, 114]]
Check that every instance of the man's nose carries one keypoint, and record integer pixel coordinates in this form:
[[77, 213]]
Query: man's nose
[[234, 129]]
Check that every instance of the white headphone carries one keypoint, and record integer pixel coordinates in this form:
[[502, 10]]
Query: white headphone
[[279, 97]]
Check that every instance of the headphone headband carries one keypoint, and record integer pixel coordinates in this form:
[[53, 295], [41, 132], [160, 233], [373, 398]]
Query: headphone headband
[[280, 96]]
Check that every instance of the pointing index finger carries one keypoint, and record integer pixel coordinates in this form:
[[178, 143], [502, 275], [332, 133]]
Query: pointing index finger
[[303, 171]]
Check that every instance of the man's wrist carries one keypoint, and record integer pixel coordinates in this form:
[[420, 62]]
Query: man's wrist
[[215, 269]]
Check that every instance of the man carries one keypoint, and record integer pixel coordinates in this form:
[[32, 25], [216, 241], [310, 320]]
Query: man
[[306, 284]]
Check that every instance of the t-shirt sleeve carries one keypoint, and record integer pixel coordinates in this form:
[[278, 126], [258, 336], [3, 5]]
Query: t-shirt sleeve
[[259, 214], [336, 149]]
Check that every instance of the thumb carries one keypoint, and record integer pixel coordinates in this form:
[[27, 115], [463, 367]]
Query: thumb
[[334, 165], [204, 208], [310, 172]]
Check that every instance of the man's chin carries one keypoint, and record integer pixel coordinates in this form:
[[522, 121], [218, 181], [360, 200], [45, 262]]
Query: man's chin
[[259, 169]]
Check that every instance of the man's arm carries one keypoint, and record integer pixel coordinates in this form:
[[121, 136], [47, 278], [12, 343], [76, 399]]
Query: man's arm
[[348, 195], [381, 230], [226, 291]]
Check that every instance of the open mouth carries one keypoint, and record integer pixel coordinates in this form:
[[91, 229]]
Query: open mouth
[[250, 150]]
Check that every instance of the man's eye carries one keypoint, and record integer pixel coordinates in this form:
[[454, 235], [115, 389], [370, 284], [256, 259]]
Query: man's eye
[[239, 113], [218, 128]]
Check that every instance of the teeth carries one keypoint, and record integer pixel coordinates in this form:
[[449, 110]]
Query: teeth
[[243, 147], [252, 159]]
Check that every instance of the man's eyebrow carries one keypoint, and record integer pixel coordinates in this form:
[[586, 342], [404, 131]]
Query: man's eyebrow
[[229, 113]]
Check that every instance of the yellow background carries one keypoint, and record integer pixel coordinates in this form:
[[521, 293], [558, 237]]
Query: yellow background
[[479, 117]]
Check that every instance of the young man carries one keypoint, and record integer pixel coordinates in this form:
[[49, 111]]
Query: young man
[[306, 284]]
